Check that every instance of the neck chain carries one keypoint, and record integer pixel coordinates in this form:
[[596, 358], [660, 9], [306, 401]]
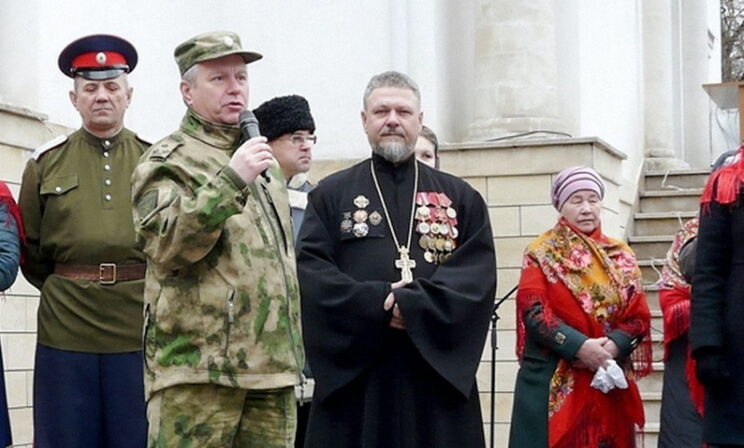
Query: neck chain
[[404, 263]]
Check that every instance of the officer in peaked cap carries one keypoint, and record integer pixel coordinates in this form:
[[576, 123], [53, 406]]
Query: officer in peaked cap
[[76, 205], [224, 353]]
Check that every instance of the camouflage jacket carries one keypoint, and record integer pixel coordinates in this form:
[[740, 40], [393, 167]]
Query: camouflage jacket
[[221, 293]]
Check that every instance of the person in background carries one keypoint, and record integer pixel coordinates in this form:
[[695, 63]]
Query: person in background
[[289, 128], [682, 393], [223, 344], [11, 243], [580, 308], [427, 147], [715, 335], [288, 125], [81, 253]]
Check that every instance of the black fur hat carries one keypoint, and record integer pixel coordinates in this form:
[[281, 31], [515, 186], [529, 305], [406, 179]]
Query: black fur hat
[[284, 115]]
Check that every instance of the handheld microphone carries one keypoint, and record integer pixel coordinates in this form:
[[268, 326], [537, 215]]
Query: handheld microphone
[[249, 128]]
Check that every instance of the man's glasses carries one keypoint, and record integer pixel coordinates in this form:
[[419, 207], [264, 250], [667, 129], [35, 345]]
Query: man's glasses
[[299, 139]]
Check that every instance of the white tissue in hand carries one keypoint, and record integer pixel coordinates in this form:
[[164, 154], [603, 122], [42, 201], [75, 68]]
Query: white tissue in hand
[[609, 377], [602, 381], [616, 373]]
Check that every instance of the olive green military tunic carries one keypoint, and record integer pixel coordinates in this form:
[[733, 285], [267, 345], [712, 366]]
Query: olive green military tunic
[[221, 296], [76, 206]]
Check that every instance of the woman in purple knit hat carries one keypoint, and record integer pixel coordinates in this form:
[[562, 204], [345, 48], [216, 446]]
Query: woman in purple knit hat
[[581, 312]]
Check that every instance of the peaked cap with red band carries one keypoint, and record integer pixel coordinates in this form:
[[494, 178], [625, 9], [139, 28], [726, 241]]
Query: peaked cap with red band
[[98, 57]]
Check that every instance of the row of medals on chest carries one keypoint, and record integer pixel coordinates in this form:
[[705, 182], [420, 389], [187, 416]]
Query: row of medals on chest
[[436, 222], [436, 225]]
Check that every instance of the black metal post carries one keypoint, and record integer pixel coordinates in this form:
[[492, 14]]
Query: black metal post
[[494, 347]]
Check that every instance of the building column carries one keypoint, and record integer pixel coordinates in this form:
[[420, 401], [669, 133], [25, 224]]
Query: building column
[[699, 50], [515, 68], [658, 85]]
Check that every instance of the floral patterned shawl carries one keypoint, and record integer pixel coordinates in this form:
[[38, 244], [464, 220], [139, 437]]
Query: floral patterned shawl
[[593, 284]]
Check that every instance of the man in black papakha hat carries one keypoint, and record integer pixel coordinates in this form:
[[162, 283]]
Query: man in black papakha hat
[[76, 206], [288, 125]]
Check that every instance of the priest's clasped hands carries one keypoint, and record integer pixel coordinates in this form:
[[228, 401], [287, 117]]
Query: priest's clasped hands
[[397, 320]]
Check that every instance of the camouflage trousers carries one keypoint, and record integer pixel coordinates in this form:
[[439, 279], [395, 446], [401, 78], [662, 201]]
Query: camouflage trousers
[[211, 416]]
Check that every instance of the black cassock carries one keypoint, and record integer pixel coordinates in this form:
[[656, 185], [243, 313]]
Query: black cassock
[[377, 386]]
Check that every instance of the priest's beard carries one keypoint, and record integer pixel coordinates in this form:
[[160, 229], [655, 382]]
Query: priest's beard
[[393, 152]]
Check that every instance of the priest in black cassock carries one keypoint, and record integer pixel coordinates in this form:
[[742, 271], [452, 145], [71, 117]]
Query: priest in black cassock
[[397, 274]]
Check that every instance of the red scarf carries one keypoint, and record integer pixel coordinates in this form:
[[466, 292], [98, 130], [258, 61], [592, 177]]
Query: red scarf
[[724, 185], [591, 283], [6, 197]]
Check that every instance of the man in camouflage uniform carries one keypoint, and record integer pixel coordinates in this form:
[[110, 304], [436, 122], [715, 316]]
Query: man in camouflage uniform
[[76, 206], [223, 348]]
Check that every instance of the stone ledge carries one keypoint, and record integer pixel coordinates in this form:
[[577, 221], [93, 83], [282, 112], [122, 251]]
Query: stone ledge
[[532, 157], [23, 112], [501, 144]]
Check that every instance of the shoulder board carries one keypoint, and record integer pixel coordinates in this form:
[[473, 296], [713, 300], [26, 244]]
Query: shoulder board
[[144, 142], [162, 149], [56, 142]]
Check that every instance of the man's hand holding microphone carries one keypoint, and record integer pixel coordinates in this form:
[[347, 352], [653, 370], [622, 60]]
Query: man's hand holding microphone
[[254, 156]]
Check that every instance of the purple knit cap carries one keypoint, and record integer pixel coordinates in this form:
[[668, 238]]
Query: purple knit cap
[[574, 179]]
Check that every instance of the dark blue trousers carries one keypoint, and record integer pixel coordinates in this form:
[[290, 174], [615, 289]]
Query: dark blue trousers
[[88, 400], [5, 436]]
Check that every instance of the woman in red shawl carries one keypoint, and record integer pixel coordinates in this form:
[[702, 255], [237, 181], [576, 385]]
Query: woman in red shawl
[[11, 237], [682, 394], [580, 306]]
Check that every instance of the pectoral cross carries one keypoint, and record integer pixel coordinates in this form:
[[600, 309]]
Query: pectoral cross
[[405, 265]]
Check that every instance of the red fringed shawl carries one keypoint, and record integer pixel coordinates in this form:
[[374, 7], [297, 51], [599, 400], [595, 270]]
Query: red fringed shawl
[[593, 284], [724, 185]]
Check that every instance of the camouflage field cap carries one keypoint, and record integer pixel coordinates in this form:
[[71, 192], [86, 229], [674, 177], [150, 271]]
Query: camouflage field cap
[[207, 46]]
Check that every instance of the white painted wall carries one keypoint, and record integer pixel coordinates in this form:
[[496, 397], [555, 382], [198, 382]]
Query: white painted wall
[[611, 100], [600, 74]]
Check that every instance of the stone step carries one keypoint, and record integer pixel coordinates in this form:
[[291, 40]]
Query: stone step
[[652, 406], [675, 179], [651, 269], [657, 322], [652, 383], [651, 246], [650, 435], [660, 223], [687, 200], [652, 297], [657, 341]]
